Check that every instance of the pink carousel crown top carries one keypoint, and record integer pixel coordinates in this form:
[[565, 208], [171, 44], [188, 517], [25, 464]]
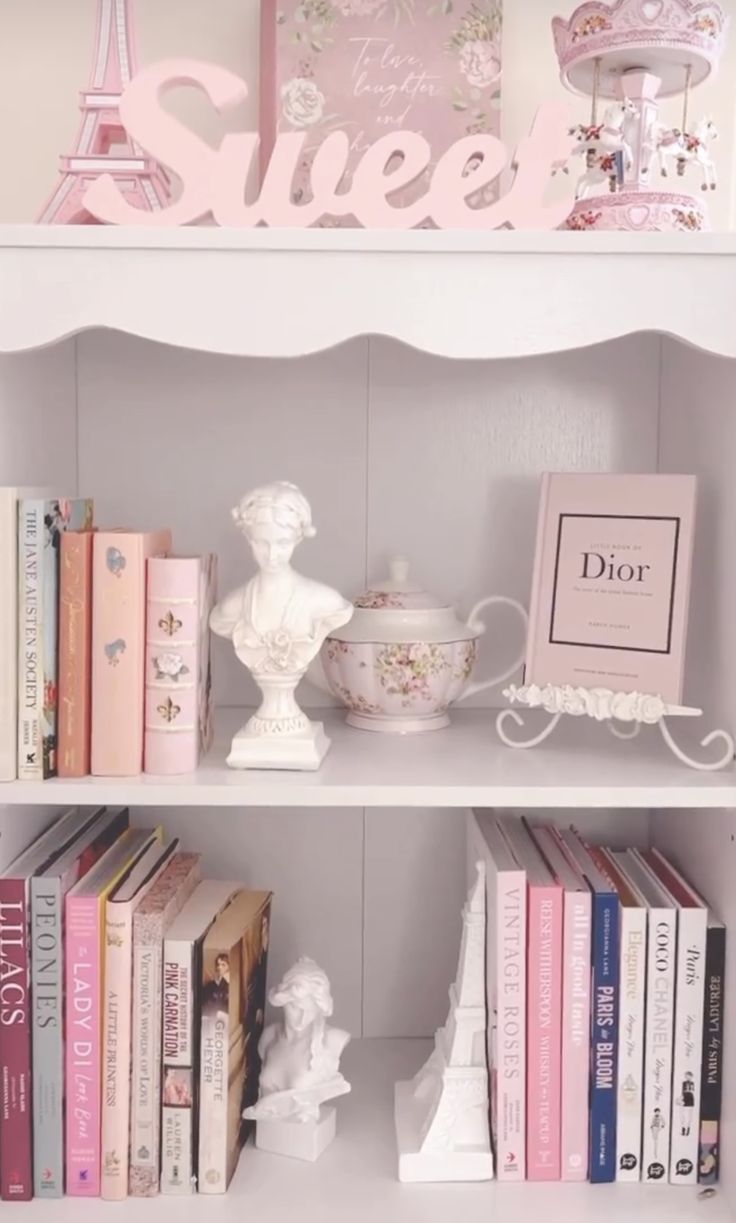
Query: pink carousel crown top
[[668, 37]]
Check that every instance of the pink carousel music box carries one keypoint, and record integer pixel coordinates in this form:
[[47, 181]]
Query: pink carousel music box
[[636, 173]]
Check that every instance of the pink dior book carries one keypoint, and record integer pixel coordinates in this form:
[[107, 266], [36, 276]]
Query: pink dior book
[[611, 586], [178, 701], [118, 647], [373, 67]]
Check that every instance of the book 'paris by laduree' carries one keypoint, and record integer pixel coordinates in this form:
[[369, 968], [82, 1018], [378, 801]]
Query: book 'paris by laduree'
[[611, 585]]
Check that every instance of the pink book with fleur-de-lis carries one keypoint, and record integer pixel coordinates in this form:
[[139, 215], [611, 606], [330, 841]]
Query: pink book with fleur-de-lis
[[178, 707], [118, 647]]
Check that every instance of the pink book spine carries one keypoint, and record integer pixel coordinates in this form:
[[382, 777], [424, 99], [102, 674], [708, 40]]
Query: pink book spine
[[83, 1044], [75, 659], [544, 1032], [172, 730], [16, 1134], [118, 648], [509, 1065], [575, 1035]]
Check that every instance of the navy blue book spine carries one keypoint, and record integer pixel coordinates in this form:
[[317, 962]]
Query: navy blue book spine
[[604, 1037]]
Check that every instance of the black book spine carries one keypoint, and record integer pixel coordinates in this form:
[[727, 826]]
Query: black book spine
[[711, 1083]]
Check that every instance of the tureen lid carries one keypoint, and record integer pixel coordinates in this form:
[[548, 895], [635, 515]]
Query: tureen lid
[[398, 610]]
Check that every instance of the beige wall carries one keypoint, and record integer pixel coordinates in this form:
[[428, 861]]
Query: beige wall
[[45, 48]]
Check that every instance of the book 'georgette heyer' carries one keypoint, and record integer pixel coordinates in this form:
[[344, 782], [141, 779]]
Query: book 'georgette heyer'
[[611, 586]]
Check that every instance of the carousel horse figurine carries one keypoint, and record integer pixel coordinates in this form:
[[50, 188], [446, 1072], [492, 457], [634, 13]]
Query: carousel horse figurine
[[689, 148]]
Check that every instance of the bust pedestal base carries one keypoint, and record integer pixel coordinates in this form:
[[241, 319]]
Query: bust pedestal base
[[304, 750], [299, 1139]]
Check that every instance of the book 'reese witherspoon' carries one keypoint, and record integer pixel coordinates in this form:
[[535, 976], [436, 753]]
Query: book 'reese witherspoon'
[[40, 526], [604, 1013], [611, 585], [577, 930], [506, 991]]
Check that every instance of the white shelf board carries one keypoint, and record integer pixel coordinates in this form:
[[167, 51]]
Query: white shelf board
[[462, 766], [278, 293], [355, 1180]]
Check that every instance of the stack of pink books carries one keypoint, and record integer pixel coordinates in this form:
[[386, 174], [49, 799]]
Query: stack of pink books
[[104, 645], [105, 932], [605, 997]]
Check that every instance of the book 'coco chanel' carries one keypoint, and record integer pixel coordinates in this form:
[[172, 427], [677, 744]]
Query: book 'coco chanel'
[[611, 583]]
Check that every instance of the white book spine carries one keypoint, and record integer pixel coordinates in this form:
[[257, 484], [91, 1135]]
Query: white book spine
[[632, 998], [659, 1029], [177, 1130], [9, 601], [30, 637], [688, 1046], [213, 1092], [116, 994], [146, 1084]]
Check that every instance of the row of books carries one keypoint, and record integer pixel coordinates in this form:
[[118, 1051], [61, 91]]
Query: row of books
[[132, 1003], [104, 645], [605, 995]]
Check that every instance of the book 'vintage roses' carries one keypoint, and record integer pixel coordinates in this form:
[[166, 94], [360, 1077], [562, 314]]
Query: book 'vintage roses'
[[369, 67]]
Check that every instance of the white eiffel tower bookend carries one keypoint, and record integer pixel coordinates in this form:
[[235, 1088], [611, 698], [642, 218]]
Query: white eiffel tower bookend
[[441, 1115]]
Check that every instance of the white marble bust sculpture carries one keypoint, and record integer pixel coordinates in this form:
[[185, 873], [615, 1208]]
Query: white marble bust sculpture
[[277, 622], [301, 1054]]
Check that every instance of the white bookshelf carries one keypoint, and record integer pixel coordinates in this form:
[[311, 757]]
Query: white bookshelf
[[463, 766], [415, 387], [355, 1179], [271, 293]]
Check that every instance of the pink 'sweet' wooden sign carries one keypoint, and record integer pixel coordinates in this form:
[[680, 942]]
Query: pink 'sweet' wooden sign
[[216, 182]]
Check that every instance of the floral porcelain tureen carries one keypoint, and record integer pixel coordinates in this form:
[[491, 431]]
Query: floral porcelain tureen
[[405, 656]]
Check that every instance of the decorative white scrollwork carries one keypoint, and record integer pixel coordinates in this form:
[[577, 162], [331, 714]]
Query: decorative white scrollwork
[[625, 713]]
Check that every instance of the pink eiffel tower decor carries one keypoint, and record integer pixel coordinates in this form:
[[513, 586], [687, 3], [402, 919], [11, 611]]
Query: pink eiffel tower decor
[[102, 144]]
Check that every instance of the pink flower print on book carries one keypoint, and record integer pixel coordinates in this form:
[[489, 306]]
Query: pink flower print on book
[[170, 666], [113, 650], [360, 8], [115, 561], [406, 670], [480, 63]]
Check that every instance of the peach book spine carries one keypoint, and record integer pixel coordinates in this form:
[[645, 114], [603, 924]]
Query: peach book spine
[[118, 647], [75, 653], [178, 714]]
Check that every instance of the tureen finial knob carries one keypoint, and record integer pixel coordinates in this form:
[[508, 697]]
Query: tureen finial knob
[[399, 569]]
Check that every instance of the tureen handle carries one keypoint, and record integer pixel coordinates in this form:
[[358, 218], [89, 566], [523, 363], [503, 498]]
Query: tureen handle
[[479, 627]]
